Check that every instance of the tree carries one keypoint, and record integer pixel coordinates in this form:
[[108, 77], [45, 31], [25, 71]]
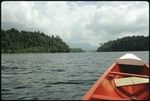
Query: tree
[[25, 41], [129, 43]]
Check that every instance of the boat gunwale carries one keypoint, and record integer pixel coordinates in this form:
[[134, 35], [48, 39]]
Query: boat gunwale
[[92, 89], [96, 84], [123, 60]]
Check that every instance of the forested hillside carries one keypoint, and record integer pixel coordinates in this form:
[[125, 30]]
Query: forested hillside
[[129, 43], [14, 41], [76, 50]]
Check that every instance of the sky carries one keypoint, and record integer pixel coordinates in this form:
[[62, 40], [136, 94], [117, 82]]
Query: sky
[[81, 24]]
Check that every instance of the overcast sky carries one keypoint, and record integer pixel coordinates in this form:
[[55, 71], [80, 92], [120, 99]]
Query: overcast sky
[[82, 24]]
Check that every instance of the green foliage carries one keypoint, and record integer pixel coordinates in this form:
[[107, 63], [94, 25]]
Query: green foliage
[[134, 43], [13, 41], [76, 50]]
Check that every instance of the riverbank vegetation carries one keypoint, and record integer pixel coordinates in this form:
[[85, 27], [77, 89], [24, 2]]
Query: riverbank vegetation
[[129, 43], [14, 41], [76, 50]]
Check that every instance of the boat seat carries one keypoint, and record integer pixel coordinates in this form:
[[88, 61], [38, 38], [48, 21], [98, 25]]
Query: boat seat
[[130, 81], [128, 74]]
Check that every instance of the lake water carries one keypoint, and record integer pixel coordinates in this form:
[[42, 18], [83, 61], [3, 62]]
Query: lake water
[[54, 76]]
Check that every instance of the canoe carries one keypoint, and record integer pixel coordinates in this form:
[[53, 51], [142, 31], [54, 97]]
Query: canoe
[[126, 79]]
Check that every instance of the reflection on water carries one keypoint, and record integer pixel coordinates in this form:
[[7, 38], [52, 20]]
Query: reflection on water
[[57, 76]]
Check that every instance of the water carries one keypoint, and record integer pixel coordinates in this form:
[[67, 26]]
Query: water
[[57, 76]]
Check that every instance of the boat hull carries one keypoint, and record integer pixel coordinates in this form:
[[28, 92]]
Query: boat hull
[[105, 87]]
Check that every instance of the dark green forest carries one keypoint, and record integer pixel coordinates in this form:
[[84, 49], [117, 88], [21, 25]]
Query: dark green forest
[[129, 43], [76, 50], [14, 41]]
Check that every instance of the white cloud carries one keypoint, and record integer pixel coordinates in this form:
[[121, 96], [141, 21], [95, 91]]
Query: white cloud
[[78, 22]]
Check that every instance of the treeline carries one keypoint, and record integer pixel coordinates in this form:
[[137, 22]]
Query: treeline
[[76, 50], [129, 43], [14, 41]]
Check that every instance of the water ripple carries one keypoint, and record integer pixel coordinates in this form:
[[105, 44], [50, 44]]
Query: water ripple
[[58, 76], [58, 70], [20, 87], [74, 82]]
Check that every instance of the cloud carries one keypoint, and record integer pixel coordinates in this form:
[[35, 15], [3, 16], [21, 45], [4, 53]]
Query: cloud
[[112, 20], [78, 22]]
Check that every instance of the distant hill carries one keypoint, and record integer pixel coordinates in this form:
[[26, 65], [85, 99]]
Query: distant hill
[[13, 41], [129, 43]]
